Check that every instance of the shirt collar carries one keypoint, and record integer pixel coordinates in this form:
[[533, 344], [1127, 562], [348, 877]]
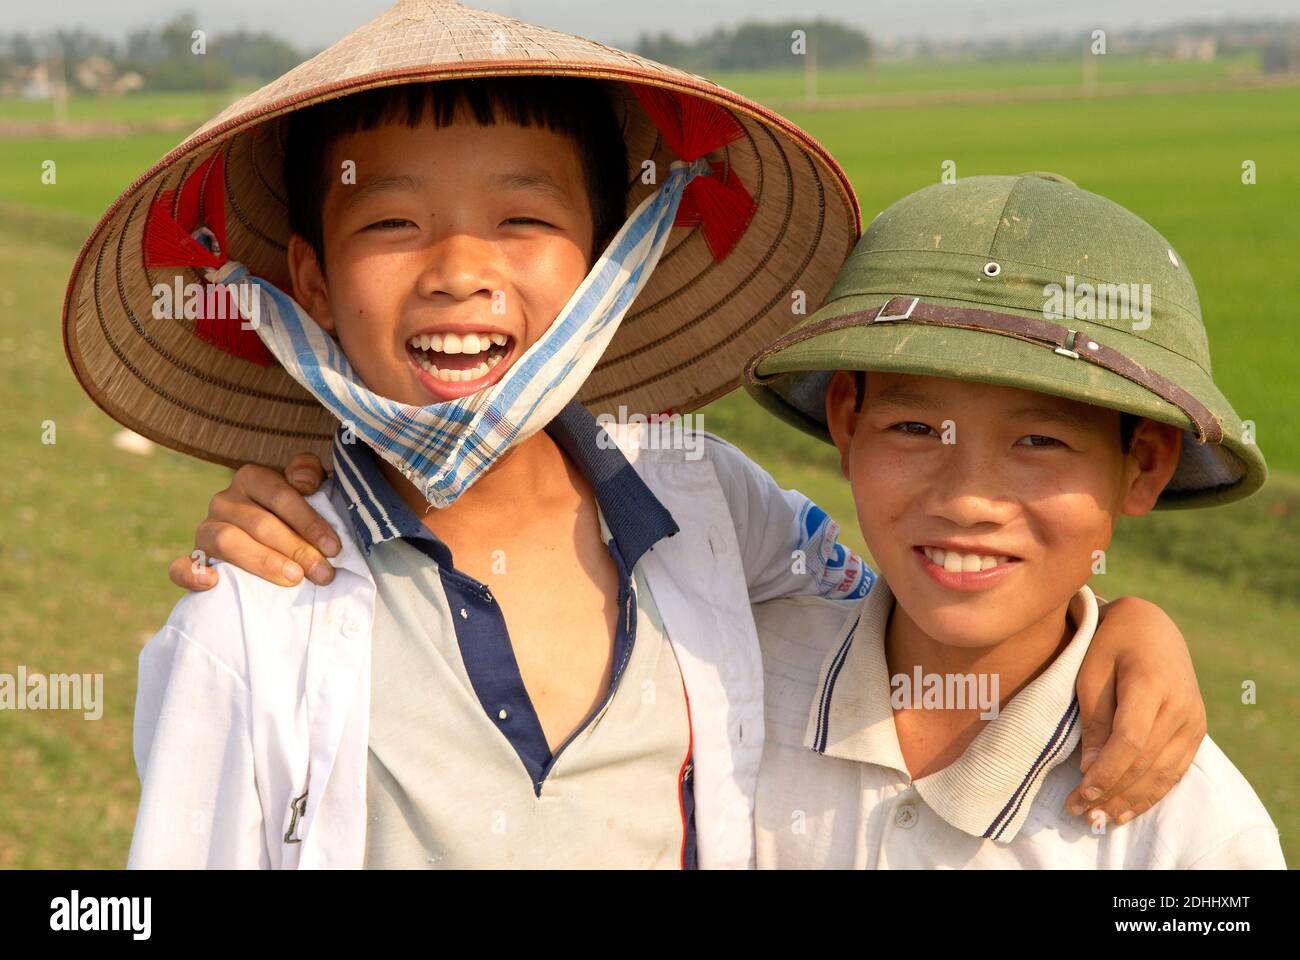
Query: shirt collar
[[630, 511], [988, 790]]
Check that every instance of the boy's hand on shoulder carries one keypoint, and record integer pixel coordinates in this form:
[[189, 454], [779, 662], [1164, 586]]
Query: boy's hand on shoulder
[[1141, 708], [263, 523]]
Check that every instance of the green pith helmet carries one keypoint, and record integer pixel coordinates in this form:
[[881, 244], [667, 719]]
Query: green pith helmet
[[1028, 282]]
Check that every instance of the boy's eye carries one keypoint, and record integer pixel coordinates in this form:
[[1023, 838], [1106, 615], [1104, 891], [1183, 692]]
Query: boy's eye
[[388, 224], [527, 220], [912, 428], [1038, 440]]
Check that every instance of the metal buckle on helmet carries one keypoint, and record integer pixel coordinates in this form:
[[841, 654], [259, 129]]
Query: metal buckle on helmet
[[1068, 350], [881, 318]]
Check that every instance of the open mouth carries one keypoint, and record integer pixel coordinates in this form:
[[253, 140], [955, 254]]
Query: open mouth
[[459, 357]]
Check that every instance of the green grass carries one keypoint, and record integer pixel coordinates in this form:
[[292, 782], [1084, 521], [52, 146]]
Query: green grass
[[88, 533], [88, 530], [134, 107], [931, 76], [88, 174]]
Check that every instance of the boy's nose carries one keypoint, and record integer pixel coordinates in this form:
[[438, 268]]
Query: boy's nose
[[461, 266], [967, 488]]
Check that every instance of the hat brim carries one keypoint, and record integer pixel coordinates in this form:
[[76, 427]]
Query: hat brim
[[791, 383], [678, 347]]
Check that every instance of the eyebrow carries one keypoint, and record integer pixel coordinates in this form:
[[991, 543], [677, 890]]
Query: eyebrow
[[532, 181], [382, 183], [1060, 415], [900, 397]]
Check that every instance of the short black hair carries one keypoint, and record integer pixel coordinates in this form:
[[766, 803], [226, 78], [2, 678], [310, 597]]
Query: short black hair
[[1127, 421], [576, 107]]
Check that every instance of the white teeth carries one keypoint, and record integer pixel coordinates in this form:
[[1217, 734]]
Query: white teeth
[[457, 376], [955, 562], [469, 343]]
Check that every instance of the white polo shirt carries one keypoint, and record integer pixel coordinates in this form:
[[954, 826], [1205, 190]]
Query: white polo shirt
[[834, 791]]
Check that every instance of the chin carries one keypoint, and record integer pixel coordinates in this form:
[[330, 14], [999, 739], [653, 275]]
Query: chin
[[966, 631]]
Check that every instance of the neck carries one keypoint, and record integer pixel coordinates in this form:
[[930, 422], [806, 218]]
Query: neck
[[1016, 661], [535, 472]]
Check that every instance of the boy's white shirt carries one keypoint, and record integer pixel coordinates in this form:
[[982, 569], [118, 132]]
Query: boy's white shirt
[[253, 695], [834, 792]]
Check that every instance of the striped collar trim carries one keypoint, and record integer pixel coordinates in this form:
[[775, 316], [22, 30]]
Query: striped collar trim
[[987, 791], [635, 517]]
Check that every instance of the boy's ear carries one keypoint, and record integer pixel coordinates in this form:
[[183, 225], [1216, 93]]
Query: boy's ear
[[1151, 461], [841, 418], [309, 287]]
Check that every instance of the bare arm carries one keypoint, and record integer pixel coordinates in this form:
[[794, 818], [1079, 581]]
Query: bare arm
[[1141, 708]]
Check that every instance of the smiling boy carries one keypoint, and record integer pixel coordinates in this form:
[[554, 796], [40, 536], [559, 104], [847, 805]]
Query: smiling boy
[[557, 666], [504, 680], [990, 464]]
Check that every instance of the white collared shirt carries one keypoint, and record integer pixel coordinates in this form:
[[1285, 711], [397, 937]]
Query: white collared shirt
[[252, 709], [834, 790]]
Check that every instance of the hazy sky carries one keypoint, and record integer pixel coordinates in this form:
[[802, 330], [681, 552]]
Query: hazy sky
[[318, 23]]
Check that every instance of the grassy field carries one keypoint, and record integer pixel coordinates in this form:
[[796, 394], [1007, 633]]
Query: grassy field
[[929, 76], [88, 530]]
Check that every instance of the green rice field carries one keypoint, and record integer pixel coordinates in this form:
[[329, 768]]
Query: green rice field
[[89, 530]]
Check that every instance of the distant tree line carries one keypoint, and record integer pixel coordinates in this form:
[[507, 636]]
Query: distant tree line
[[760, 46], [163, 57]]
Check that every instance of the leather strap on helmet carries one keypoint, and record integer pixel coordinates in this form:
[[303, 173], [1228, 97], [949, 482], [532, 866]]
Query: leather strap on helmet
[[1060, 339]]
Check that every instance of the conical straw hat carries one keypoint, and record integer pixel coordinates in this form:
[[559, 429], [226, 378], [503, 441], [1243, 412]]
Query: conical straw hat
[[682, 343]]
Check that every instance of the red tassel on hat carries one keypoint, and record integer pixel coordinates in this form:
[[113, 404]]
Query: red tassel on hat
[[692, 127], [168, 242]]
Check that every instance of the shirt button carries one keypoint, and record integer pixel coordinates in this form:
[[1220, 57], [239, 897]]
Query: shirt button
[[502, 714], [463, 614], [905, 816]]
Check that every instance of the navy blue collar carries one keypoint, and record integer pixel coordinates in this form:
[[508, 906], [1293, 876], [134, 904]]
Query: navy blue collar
[[636, 518]]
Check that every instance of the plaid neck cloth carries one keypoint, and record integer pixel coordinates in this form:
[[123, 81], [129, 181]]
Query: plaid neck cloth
[[444, 447]]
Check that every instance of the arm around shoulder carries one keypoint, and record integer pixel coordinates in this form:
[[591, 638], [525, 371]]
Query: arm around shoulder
[[789, 546]]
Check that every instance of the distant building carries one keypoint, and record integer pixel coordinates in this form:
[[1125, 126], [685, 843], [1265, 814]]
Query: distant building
[[1188, 47], [35, 83]]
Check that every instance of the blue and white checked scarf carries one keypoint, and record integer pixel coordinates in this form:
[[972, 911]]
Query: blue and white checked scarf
[[444, 447]]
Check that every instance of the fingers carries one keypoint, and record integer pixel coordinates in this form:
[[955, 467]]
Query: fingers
[[189, 575], [232, 544], [265, 487], [276, 542], [305, 472], [1139, 793], [1096, 711], [1125, 750]]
